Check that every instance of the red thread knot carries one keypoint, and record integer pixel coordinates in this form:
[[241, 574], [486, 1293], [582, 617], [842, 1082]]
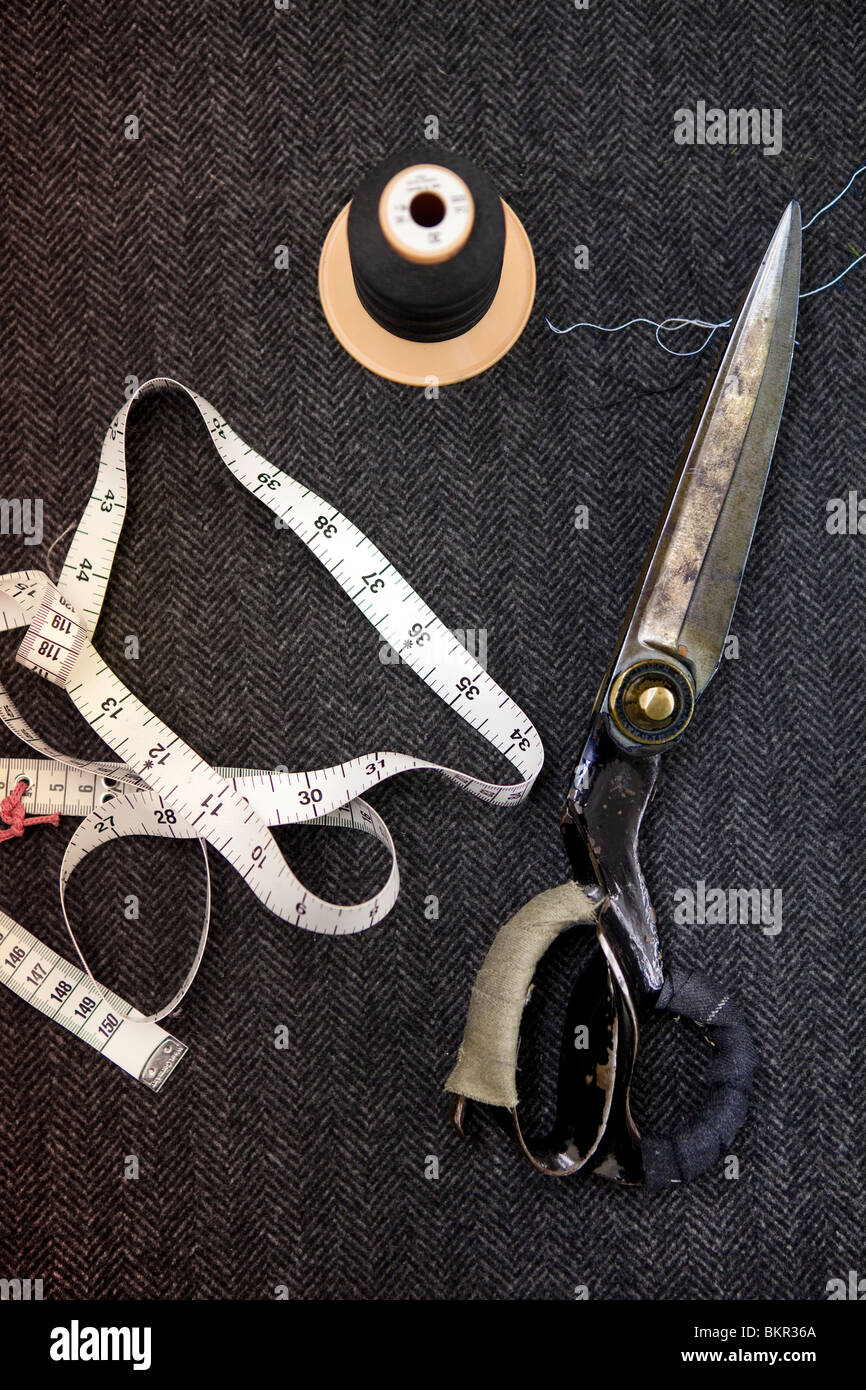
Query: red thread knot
[[12, 812]]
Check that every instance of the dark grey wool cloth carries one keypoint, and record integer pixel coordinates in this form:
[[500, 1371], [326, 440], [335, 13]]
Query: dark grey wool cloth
[[311, 1167]]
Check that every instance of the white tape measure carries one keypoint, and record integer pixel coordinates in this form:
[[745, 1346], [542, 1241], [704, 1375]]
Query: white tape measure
[[96, 1015], [162, 787]]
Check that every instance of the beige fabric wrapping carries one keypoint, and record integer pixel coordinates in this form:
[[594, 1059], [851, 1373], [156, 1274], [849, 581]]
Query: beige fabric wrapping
[[487, 1060]]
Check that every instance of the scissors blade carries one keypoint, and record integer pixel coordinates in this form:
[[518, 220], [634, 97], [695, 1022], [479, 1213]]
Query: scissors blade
[[685, 599]]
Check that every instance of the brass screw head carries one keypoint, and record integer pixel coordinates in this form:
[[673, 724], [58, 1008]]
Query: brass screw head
[[657, 703], [651, 702]]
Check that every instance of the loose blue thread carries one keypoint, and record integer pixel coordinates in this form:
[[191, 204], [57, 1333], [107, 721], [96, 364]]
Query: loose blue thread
[[833, 201], [836, 279], [674, 324]]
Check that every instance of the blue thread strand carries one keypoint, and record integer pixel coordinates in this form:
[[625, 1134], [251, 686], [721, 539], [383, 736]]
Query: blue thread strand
[[834, 201], [836, 279], [600, 326], [668, 325], [674, 323]]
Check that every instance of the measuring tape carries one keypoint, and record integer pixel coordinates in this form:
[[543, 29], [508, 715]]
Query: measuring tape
[[162, 787]]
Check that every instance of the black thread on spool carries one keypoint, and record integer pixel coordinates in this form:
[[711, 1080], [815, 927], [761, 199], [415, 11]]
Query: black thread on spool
[[426, 303]]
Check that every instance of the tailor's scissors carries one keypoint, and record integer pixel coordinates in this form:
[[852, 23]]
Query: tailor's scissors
[[669, 648]]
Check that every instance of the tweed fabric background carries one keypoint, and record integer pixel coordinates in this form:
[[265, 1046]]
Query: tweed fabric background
[[306, 1167]]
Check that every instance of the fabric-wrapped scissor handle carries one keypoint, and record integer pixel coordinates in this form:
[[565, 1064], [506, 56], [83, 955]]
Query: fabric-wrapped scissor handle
[[487, 1060], [693, 1149]]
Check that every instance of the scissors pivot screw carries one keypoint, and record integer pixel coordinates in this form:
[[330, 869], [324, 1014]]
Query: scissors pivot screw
[[651, 702]]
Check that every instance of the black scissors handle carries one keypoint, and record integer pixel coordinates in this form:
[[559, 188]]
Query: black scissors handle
[[601, 827], [594, 1130], [695, 1147]]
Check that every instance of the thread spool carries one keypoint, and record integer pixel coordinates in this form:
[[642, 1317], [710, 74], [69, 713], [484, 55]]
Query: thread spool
[[427, 273]]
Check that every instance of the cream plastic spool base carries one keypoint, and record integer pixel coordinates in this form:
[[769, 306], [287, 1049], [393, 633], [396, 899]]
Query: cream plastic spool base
[[413, 363]]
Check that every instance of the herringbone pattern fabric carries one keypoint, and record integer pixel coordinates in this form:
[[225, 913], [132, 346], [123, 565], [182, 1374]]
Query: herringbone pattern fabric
[[306, 1167]]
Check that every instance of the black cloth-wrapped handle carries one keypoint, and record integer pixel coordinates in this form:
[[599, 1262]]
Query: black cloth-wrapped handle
[[686, 1152]]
